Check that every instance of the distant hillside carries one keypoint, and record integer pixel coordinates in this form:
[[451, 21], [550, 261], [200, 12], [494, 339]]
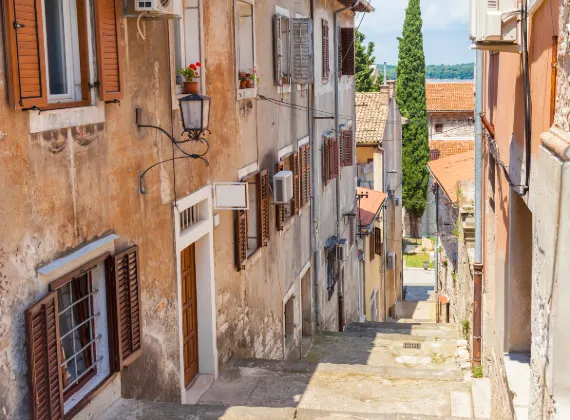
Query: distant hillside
[[442, 71]]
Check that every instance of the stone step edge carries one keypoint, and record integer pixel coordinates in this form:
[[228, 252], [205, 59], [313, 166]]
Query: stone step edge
[[310, 414]]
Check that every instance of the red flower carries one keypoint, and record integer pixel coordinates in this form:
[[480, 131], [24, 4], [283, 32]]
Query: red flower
[[193, 67], [198, 64]]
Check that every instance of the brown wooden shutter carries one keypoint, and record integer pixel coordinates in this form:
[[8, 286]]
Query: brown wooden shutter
[[108, 58], [372, 245], [44, 358], [302, 175], [348, 62], [263, 207], [241, 239], [339, 49], [326, 50], [348, 148], [308, 172], [334, 155], [351, 230], [377, 241], [25, 49], [341, 147], [296, 184], [279, 210], [127, 298], [326, 160]]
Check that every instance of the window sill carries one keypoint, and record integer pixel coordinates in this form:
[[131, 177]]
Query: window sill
[[283, 89], [55, 119], [246, 93], [77, 402], [302, 87], [253, 258], [287, 225]]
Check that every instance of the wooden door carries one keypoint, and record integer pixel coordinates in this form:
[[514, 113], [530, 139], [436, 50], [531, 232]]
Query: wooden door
[[189, 313]]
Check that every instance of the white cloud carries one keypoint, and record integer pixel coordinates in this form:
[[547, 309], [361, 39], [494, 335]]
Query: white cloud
[[436, 14]]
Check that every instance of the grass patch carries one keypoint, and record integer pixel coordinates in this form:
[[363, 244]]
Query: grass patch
[[437, 359], [477, 372], [465, 328], [417, 260]]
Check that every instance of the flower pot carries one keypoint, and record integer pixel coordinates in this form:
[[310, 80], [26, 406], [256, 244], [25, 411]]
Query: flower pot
[[191, 87], [242, 84], [249, 84], [284, 80]]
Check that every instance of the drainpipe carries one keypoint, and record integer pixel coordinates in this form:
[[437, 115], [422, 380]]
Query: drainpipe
[[478, 264], [314, 195], [336, 122]]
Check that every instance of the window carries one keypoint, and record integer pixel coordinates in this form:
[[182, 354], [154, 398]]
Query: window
[[372, 244], [286, 211], [330, 159], [252, 226], [245, 38], [377, 241], [48, 52], [346, 147], [305, 174], [332, 267], [346, 59], [97, 332], [326, 49], [281, 50], [438, 128], [187, 37]]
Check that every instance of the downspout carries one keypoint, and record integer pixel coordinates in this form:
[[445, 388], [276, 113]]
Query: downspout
[[314, 213], [478, 263], [336, 123]]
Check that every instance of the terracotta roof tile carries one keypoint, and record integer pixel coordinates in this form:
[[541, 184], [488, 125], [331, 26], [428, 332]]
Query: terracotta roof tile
[[440, 149], [370, 206], [450, 96], [448, 172], [371, 116]]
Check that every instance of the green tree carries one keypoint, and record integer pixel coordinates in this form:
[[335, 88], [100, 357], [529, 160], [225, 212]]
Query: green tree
[[411, 98], [365, 80]]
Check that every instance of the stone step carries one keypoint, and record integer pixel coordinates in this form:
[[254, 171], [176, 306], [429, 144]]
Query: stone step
[[447, 331], [309, 414], [415, 310]]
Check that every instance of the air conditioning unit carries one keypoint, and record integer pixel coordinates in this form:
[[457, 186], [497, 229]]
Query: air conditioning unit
[[154, 6], [282, 187], [342, 248], [495, 24], [391, 263]]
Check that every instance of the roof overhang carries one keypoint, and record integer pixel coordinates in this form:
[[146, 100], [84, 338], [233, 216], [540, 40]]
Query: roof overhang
[[364, 6]]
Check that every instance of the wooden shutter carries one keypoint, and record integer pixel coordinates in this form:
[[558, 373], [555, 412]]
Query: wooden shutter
[[372, 244], [296, 184], [279, 210], [44, 358], [108, 57], [341, 147], [334, 155], [339, 52], [241, 239], [307, 152], [377, 241], [348, 62], [25, 50], [302, 175], [277, 50], [326, 50], [302, 50], [326, 160], [263, 207], [348, 148], [351, 230], [127, 300]]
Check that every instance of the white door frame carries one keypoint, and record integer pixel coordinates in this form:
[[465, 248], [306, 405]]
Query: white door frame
[[200, 234]]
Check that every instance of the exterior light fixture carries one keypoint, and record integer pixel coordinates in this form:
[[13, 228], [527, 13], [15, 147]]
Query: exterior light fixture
[[195, 112]]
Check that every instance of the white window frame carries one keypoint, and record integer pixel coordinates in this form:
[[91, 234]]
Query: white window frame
[[305, 86], [286, 87], [71, 48], [179, 8], [251, 92]]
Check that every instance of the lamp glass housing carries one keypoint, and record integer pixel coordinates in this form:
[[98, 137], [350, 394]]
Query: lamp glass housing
[[195, 111]]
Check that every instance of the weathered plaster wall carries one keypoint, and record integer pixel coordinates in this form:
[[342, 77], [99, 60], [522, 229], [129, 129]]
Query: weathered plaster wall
[[373, 293], [456, 125]]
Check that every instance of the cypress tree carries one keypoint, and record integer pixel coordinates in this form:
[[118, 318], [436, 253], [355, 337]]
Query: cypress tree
[[411, 99], [365, 80]]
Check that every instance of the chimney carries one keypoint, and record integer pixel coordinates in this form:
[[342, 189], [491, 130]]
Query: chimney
[[385, 73], [392, 85]]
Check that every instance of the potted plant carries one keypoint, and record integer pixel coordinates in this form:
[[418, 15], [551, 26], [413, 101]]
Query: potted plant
[[191, 74], [243, 78], [253, 78], [284, 79]]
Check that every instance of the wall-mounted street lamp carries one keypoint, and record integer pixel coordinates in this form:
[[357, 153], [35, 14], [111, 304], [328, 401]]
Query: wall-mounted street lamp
[[195, 113]]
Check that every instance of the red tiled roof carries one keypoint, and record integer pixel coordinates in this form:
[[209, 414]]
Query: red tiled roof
[[450, 96], [371, 116], [369, 206], [450, 171], [440, 149]]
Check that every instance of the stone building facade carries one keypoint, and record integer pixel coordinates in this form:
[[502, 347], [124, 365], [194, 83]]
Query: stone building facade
[[524, 227], [150, 269]]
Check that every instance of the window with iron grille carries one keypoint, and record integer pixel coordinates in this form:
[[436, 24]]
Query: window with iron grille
[[326, 50], [377, 241], [189, 217]]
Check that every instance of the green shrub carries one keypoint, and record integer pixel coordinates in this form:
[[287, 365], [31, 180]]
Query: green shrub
[[477, 372]]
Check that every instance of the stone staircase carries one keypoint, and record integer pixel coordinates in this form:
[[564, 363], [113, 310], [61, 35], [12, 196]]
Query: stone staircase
[[384, 371]]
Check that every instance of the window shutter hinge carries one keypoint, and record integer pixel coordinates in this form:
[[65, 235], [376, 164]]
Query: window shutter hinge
[[94, 84], [114, 101], [18, 25]]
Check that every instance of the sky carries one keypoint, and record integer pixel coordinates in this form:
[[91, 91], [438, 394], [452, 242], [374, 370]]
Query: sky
[[445, 29]]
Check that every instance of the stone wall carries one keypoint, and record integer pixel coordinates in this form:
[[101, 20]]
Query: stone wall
[[454, 125]]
